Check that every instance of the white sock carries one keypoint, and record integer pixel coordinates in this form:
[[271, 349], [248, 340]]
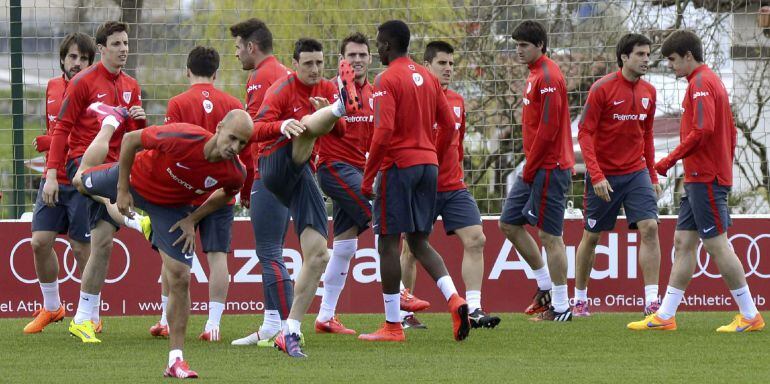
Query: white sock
[[285, 327], [172, 355], [335, 276], [581, 294], [671, 301], [392, 307], [650, 294], [272, 321], [51, 299], [97, 309], [447, 286], [745, 302], [215, 314], [474, 300], [543, 278], [163, 305], [294, 326], [134, 223], [338, 108], [85, 307], [110, 120], [559, 298]]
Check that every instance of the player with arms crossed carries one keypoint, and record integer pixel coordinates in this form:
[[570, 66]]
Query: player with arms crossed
[[616, 139], [707, 149]]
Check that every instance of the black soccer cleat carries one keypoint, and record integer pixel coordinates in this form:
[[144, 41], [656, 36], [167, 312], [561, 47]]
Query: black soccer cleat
[[479, 319]]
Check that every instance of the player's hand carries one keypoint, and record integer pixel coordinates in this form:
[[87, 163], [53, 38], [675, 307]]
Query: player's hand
[[663, 166], [188, 234], [292, 128], [137, 113], [246, 199], [658, 191], [603, 189], [319, 102], [77, 182], [51, 192], [125, 204], [42, 143]]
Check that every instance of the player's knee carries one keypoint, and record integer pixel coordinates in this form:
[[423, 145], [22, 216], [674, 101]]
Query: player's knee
[[550, 241], [41, 245], [649, 232], [591, 238], [510, 230], [475, 242], [683, 245], [80, 251]]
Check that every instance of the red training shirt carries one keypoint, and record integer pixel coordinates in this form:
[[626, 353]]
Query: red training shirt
[[352, 147], [450, 169], [54, 96]]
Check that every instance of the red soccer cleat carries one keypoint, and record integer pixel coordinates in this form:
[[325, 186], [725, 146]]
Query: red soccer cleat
[[388, 332], [461, 325], [333, 326], [42, 318], [159, 330], [210, 335], [410, 303], [101, 111], [346, 79], [180, 370], [540, 302]]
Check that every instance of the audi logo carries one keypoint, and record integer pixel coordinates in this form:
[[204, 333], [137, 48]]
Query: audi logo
[[69, 266], [753, 256]]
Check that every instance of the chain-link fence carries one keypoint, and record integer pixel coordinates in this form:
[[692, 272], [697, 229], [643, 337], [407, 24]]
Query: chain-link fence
[[582, 38]]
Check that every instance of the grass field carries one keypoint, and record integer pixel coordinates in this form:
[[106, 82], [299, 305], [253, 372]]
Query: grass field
[[594, 350]]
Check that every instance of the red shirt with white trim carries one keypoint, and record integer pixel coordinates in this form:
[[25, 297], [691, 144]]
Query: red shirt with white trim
[[450, 169], [54, 96], [352, 147]]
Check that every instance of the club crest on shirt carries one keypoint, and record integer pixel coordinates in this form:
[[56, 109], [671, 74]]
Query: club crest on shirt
[[205, 94], [208, 106], [417, 79], [127, 96], [457, 110], [645, 102], [209, 182]]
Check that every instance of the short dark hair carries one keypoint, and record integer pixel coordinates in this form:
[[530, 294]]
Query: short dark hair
[[357, 37], [306, 44], [434, 47], [396, 32], [84, 43], [681, 42], [107, 29], [627, 44], [532, 32], [256, 31], [203, 61]]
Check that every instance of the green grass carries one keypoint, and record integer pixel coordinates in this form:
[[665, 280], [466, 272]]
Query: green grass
[[594, 350]]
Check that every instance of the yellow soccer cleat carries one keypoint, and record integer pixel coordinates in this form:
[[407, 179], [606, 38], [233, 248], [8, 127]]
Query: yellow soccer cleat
[[84, 331], [741, 324], [146, 227], [653, 323]]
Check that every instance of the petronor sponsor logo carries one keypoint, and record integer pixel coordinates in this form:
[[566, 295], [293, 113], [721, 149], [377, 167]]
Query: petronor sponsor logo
[[178, 180], [629, 117], [359, 119]]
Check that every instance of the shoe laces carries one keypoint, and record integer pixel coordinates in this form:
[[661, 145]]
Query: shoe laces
[[407, 295]]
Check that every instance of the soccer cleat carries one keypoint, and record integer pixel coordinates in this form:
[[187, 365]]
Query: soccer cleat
[[159, 330], [346, 83], [653, 323], [210, 335], [291, 344], [551, 315], [180, 370], [84, 331], [388, 332], [461, 325], [146, 227], [479, 319], [741, 324], [581, 309], [540, 303], [410, 303], [101, 111], [98, 326], [333, 326], [42, 318], [409, 321], [652, 308]]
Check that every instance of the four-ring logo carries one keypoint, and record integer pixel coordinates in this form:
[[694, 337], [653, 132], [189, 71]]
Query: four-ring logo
[[746, 247], [69, 266]]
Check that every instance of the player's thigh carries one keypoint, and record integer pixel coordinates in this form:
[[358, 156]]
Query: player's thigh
[[342, 183], [708, 202], [216, 230], [513, 208], [394, 192], [640, 201], [601, 215], [306, 205], [77, 214], [424, 200], [548, 200], [49, 219], [458, 209], [162, 218]]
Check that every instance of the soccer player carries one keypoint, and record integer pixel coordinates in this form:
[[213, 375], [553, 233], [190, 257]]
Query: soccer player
[[287, 121], [454, 203], [102, 82], [707, 149], [70, 214], [616, 139], [403, 157], [539, 194], [269, 218], [341, 163], [205, 106], [178, 163]]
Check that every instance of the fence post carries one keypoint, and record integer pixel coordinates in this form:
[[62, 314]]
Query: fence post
[[17, 109]]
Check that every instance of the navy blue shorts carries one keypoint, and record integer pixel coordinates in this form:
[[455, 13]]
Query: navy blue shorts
[[633, 191], [103, 181], [542, 203], [704, 209], [294, 186], [405, 199], [96, 210], [70, 215], [342, 183], [458, 209], [216, 230]]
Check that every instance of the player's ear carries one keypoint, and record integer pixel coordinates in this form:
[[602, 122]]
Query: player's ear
[[214, 76], [189, 73]]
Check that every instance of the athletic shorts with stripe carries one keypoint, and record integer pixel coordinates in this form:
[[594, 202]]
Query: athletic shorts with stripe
[[96, 211], [294, 186], [405, 199], [633, 191], [270, 222], [216, 230], [540, 204], [69, 215], [704, 209], [342, 183], [102, 181], [458, 209]]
